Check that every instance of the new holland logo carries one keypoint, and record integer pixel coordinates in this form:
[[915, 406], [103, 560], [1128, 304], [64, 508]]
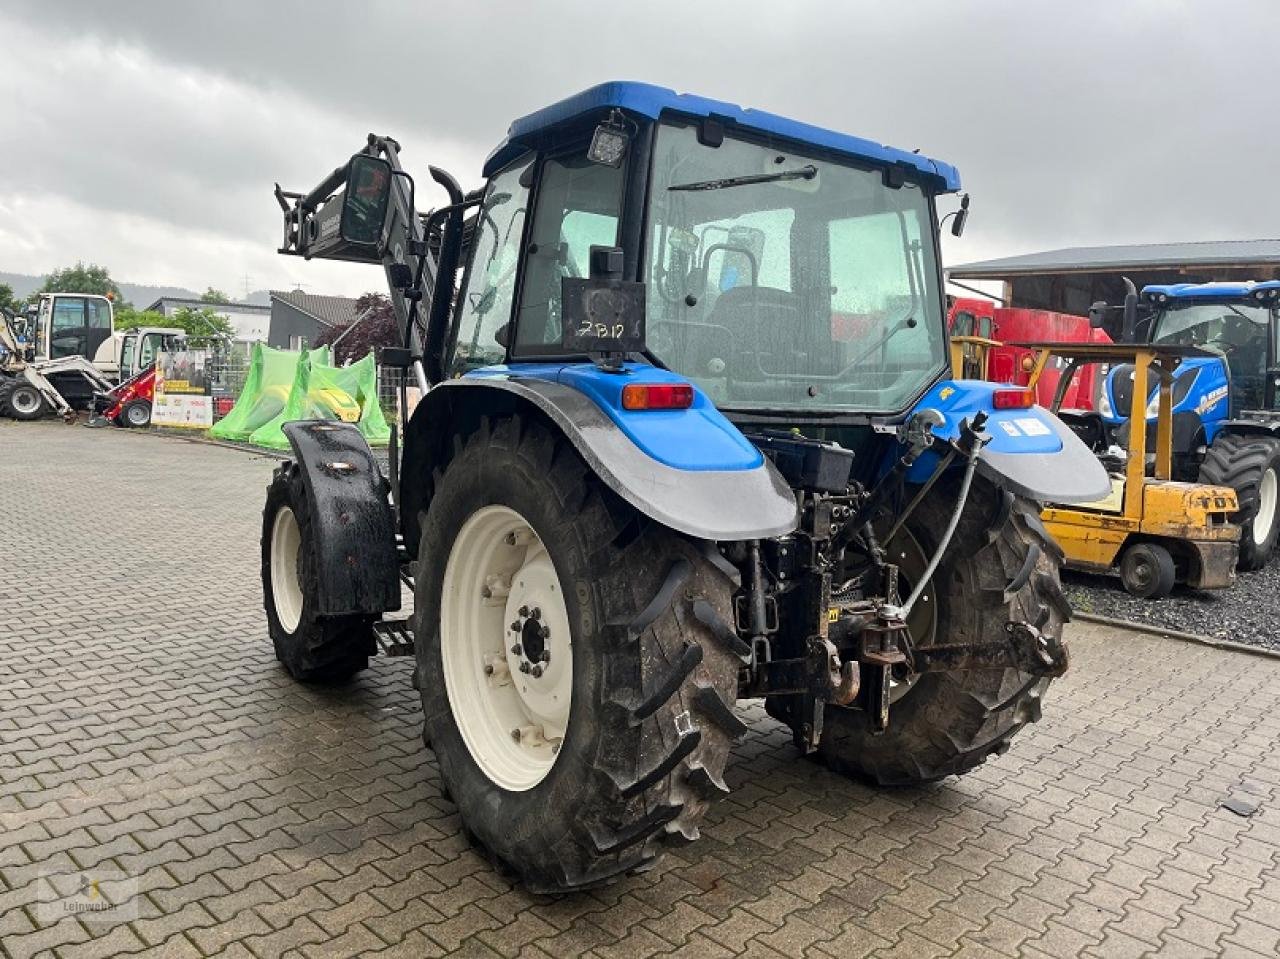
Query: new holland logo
[[1211, 399], [946, 392]]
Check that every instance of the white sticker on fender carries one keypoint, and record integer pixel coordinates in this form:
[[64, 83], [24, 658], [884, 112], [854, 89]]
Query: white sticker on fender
[[1010, 428], [1032, 426]]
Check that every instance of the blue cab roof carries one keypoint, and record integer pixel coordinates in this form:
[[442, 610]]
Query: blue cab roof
[[1212, 292], [652, 101]]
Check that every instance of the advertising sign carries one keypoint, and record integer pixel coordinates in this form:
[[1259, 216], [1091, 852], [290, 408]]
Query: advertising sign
[[182, 390]]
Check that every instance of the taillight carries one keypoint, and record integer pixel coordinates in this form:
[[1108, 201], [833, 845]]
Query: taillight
[[1013, 399], [657, 396]]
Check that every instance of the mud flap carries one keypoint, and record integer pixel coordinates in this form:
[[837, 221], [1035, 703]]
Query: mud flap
[[358, 569]]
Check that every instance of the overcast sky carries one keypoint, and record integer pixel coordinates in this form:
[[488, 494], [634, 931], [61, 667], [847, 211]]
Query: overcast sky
[[146, 136]]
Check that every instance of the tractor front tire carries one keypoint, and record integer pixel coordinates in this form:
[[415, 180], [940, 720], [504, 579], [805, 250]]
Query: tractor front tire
[[312, 648], [576, 661], [22, 401], [1250, 465], [1001, 567]]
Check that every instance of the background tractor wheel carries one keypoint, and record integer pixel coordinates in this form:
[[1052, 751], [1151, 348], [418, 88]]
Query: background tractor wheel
[[1001, 566], [22, 401], [577, 662], [311, 648], [1250, 465], [136, 414], [1147, 571]]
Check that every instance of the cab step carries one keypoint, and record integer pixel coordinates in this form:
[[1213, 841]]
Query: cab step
[[394, 637]]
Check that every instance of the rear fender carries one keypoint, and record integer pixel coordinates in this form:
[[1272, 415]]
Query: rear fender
[[351, 516], [1031, 451], [747, 502]]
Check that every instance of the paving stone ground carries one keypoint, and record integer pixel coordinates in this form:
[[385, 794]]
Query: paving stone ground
[[146, 728]]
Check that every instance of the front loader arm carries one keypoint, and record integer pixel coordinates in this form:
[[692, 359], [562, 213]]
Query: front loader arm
[[415, 251]]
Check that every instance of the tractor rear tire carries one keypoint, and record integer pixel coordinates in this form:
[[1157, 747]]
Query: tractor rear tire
[[312, 648], [524, 552], [1001, 567], [22, 401], [1250, 465]]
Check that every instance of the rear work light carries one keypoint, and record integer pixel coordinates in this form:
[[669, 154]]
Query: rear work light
[[1013, 399], [657, 396]]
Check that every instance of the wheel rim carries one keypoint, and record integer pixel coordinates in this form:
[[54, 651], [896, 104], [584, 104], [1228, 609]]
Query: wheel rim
[[505, 648], [1266, 514], [25, 400], [286, 558], [138, 415]]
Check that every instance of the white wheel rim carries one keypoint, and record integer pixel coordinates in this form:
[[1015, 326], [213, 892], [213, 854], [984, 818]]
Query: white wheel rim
[[24, 400], [1266, 507], [501, 608], [286, 578], [138, 415]]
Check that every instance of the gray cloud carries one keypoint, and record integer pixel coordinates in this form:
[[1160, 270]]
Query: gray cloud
[[1085, 123]]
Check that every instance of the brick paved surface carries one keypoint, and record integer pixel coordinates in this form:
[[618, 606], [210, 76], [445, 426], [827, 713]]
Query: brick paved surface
[[145, 727]]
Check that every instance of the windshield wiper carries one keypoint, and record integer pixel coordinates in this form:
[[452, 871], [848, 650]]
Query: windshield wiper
[[804, 173]]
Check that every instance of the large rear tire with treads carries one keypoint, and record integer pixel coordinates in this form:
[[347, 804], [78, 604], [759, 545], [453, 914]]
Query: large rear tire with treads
[[1001, 567], [537, 583], [1250, 465]]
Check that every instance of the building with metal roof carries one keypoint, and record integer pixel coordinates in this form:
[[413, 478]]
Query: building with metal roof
[[1070, 279], [297, 318]]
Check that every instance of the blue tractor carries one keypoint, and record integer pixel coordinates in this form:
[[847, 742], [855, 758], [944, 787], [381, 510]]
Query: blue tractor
[[1226, 428], [686, 435]]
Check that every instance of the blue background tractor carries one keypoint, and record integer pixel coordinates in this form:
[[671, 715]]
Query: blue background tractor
[[1225, 423], [686, 436]]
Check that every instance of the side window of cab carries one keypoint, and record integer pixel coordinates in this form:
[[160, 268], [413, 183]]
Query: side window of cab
[[489, 287]]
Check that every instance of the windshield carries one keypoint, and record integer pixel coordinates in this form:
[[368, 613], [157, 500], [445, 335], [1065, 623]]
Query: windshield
[[1226, 327], [777, 280]]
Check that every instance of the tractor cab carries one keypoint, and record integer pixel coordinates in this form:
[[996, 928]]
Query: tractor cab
[[138, 347], [783, 279]]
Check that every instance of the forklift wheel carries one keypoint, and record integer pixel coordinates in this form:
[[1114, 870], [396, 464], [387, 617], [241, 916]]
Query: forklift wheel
[[136, 414], [1146, 570]]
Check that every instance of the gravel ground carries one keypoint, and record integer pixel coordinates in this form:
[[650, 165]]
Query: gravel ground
[[1249, 612]]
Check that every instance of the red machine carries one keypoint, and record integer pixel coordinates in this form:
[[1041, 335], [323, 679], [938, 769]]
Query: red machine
[[1010, 363], [129, 404]]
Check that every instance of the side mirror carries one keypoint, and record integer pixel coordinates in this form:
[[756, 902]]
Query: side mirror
[[1098, 315], [1130, 323], [962, 217], [365, 201]]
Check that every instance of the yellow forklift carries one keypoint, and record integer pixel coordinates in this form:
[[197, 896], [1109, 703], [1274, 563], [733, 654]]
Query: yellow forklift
[[1151, 530]]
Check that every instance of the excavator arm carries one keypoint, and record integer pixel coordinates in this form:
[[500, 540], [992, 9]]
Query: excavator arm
[[364, 212]]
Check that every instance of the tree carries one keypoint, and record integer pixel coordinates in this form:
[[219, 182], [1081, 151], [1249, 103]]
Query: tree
[[127, 318], [212, 295], [84, 279], [373, 328], [201, 323], [8, 301]]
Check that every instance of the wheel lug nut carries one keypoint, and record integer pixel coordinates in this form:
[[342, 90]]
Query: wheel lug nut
[[537, 671], [546, 655], [517, 650], [546, 631], [524, 610], [524, 667], [488, 669], [514, 627], [536, 613]]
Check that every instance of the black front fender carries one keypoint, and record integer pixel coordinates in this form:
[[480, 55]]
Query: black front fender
[[350, 516]]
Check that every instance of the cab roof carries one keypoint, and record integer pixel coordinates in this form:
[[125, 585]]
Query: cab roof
[[653, 101], [1228, 292]]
